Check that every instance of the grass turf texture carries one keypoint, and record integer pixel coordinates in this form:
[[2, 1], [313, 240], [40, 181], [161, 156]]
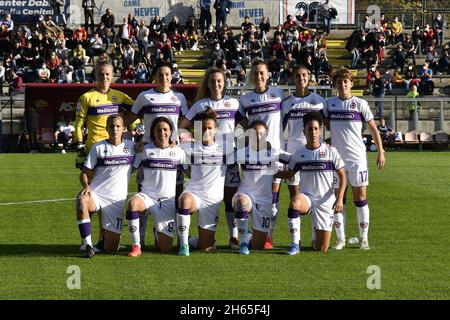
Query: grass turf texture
[[409, 203]]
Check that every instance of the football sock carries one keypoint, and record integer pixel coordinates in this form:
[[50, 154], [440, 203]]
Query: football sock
[[183, 223], [193, 242], [242, 225], [133, 226], [275, 208], [363, 214], [143, 219], [294, 225], [231, 222], [84, 226], [339, 224]]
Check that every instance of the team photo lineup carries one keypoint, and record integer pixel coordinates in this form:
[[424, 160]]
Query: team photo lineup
[[243, 171]]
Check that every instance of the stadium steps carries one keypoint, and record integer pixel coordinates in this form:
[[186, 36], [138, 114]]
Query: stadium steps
[[192, 64], [17, 114]]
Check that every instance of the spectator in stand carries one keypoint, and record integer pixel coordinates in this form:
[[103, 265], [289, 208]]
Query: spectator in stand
[[173, 25], [279, 32], [80, 35], [156, 27], [205, 15], [245, 26], [227, 44], [142, 39], [399, 57], [52, 64], [411, 77], [264, 29], [302, 17], [277, 48], [428, 38], [191, 25], [431, 57], [438, 27], [328, 13], [255, 48], [29, 54], [290, 24], [387, 80], [217, 56], [78, 63], [288, 68], [397, 79], [164, 45], [370, 56], [133, 21], [103, 34], [378, 92], [88, 7], [184, 40], [193, 40], [176, 40], [128, 56], [416, 36], [426, 83], [223, 8], [15, 84], [117, 56], [177, 77], [127, 75], [65, 72], [408, 46], [397, 31], [209, 37], [241, 78], [126, 32], [95, 47], [444, 62], [109, 21], [366, 25], [43, 74]]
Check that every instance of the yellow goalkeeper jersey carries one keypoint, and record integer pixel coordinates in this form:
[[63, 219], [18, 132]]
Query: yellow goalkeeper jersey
[[93, 110]]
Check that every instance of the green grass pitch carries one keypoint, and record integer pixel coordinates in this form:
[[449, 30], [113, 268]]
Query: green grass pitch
[[409, 238]]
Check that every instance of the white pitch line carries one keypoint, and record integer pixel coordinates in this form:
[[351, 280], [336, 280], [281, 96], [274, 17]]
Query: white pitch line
[[36, 201]]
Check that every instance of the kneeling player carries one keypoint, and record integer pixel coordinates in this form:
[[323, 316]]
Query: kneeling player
[[316, 163], [159, 162], [105, 178], [259, 162]]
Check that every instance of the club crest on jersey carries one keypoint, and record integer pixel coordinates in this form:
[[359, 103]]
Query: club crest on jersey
[[272, 96], [182, 228], [126, 150], [353, 105], [322, 154], [227, 104], [173, 98], [172, 154], [313, 102], [335, 180], [114, 98]]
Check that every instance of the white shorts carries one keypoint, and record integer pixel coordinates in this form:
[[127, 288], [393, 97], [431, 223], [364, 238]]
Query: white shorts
[[163, 212], [207, 212], [322, 214], [357, 174], [232, 177], [111, 211], [261, 214]]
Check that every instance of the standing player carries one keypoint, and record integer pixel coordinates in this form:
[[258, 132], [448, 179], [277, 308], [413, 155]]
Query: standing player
[[211, 95], [105, 178], [316, 163], [159, 162], [93, 109], [293, 109], [264, 104], [345, 115], [259, 162], [204, 192], [160, 101]]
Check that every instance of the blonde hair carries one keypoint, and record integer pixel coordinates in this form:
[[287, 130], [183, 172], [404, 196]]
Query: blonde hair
[[203, 91]]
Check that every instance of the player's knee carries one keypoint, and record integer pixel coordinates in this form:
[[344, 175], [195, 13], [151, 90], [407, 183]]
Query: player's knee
[[133, 203], [82, 202], [186, 201], [241, 203]]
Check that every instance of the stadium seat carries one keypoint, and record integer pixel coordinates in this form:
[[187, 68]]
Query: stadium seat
[[411, 138], [440, 141]]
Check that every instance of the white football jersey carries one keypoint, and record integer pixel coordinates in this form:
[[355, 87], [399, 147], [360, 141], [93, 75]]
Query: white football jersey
[[257, 170], [316, 171], [292, 111], [226, 110], [112, 168], [207, 170], [265, 107], [346, 123], [160, 170], [152, 104]]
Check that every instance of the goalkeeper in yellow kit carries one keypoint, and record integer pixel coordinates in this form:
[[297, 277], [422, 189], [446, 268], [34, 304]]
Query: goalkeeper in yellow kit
[[93, 109]]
